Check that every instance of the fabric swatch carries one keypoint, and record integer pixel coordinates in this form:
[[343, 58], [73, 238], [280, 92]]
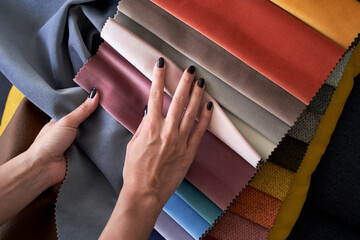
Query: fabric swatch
[[234, 227], [214, 58], [293, 204], [198, 201], [245, 109], [294, 56], [143, 57], [185, 216], [256, 206], [339, 20], [170, 229], [273, 180], [125, 91], [4, 92], [154, 235], [37, 220]]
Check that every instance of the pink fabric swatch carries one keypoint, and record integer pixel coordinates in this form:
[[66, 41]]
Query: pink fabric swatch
[[217, 171], [143, 56]]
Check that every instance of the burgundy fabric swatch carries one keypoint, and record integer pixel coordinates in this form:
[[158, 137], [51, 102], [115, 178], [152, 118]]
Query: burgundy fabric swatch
[[272, 41], [217, 171]]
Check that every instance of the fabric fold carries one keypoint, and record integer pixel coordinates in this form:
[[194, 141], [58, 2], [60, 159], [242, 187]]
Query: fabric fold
[[214, 58], [128, 45], [273, 42], [217, 171]]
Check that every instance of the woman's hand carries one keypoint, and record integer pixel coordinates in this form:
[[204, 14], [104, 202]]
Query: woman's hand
[[55, 137], [24, 177], [159, 155]]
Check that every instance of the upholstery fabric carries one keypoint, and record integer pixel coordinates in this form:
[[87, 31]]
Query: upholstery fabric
[[143, 56], [294, 56], [339, 20], [4, 92], [214, 58], [170, 229], [245, 109], [13, 100], [118, 79]]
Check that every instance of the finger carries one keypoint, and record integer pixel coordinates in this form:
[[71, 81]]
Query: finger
[[180, 97], [156, 97], [192, 109], [200, 128], [76, 117]]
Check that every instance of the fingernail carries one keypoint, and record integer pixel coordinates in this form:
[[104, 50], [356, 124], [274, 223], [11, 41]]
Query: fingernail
[[200, 83], [145, 110], [161, 62], [92, 93], [191, 69], [209, 106]]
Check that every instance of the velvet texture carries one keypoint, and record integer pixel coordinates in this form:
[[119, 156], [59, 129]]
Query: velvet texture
[[339, 20], [294, 56], [239, 105], [214, 58], [116, 78], [307, 150], [143, 56], [37, 220]]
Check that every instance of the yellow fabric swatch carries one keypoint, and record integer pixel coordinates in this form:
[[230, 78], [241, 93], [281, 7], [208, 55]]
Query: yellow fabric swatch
[[12, 102], [273, 180], [292, 205], [339, 20]]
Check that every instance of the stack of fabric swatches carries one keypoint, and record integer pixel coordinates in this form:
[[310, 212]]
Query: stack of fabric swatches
[[265, 70], [278, 75]]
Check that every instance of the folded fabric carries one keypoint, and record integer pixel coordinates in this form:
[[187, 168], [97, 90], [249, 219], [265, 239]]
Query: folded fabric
[[294, 56], [217, 171], [143, 56], [185, 216], [199, 202], [155, 235], [339, 20], [247, 203], [36, 220], [293, 204], [215, 59], [254, 115], [170, 229]]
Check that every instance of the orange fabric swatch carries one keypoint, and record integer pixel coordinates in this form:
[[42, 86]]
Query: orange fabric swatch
[[257, 206], [275, 43]]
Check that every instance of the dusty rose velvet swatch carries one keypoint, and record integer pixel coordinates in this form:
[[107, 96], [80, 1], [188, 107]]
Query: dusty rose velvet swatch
[[217, 171], [272, 41]]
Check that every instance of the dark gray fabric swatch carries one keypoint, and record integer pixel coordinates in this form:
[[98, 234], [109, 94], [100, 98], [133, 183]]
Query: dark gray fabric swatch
[[5, 87]]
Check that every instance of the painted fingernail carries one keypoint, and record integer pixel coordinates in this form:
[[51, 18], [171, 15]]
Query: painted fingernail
[[92, 93], [200, 83], [161, 62], [191, 69], [145, 110], [209, 106]]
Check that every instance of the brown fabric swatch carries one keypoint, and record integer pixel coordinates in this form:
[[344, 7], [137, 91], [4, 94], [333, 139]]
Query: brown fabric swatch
[[37, 220], [233, 227], [257, 206]]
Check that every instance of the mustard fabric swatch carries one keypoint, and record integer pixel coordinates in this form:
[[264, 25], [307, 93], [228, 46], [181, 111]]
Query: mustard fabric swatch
[[339, 20], [12, 102], [292, 205], [273, 180]]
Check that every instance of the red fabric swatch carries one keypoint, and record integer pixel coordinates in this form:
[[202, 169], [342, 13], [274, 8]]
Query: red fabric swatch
[[278, 45], [217, 171]]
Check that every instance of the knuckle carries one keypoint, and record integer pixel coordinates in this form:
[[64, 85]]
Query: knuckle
[[197, 93], [190, 115], [155, 94], [178, 99], [188, 79], [158, 73], [84, 107]]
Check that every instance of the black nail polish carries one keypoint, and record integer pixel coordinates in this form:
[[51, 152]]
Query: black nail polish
[[209, 106], [200, 83], [145, 110], [161, 62], [92, 93], [191, 69]]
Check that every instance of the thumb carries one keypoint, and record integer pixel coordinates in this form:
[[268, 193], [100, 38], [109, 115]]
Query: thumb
[[77, 116]]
